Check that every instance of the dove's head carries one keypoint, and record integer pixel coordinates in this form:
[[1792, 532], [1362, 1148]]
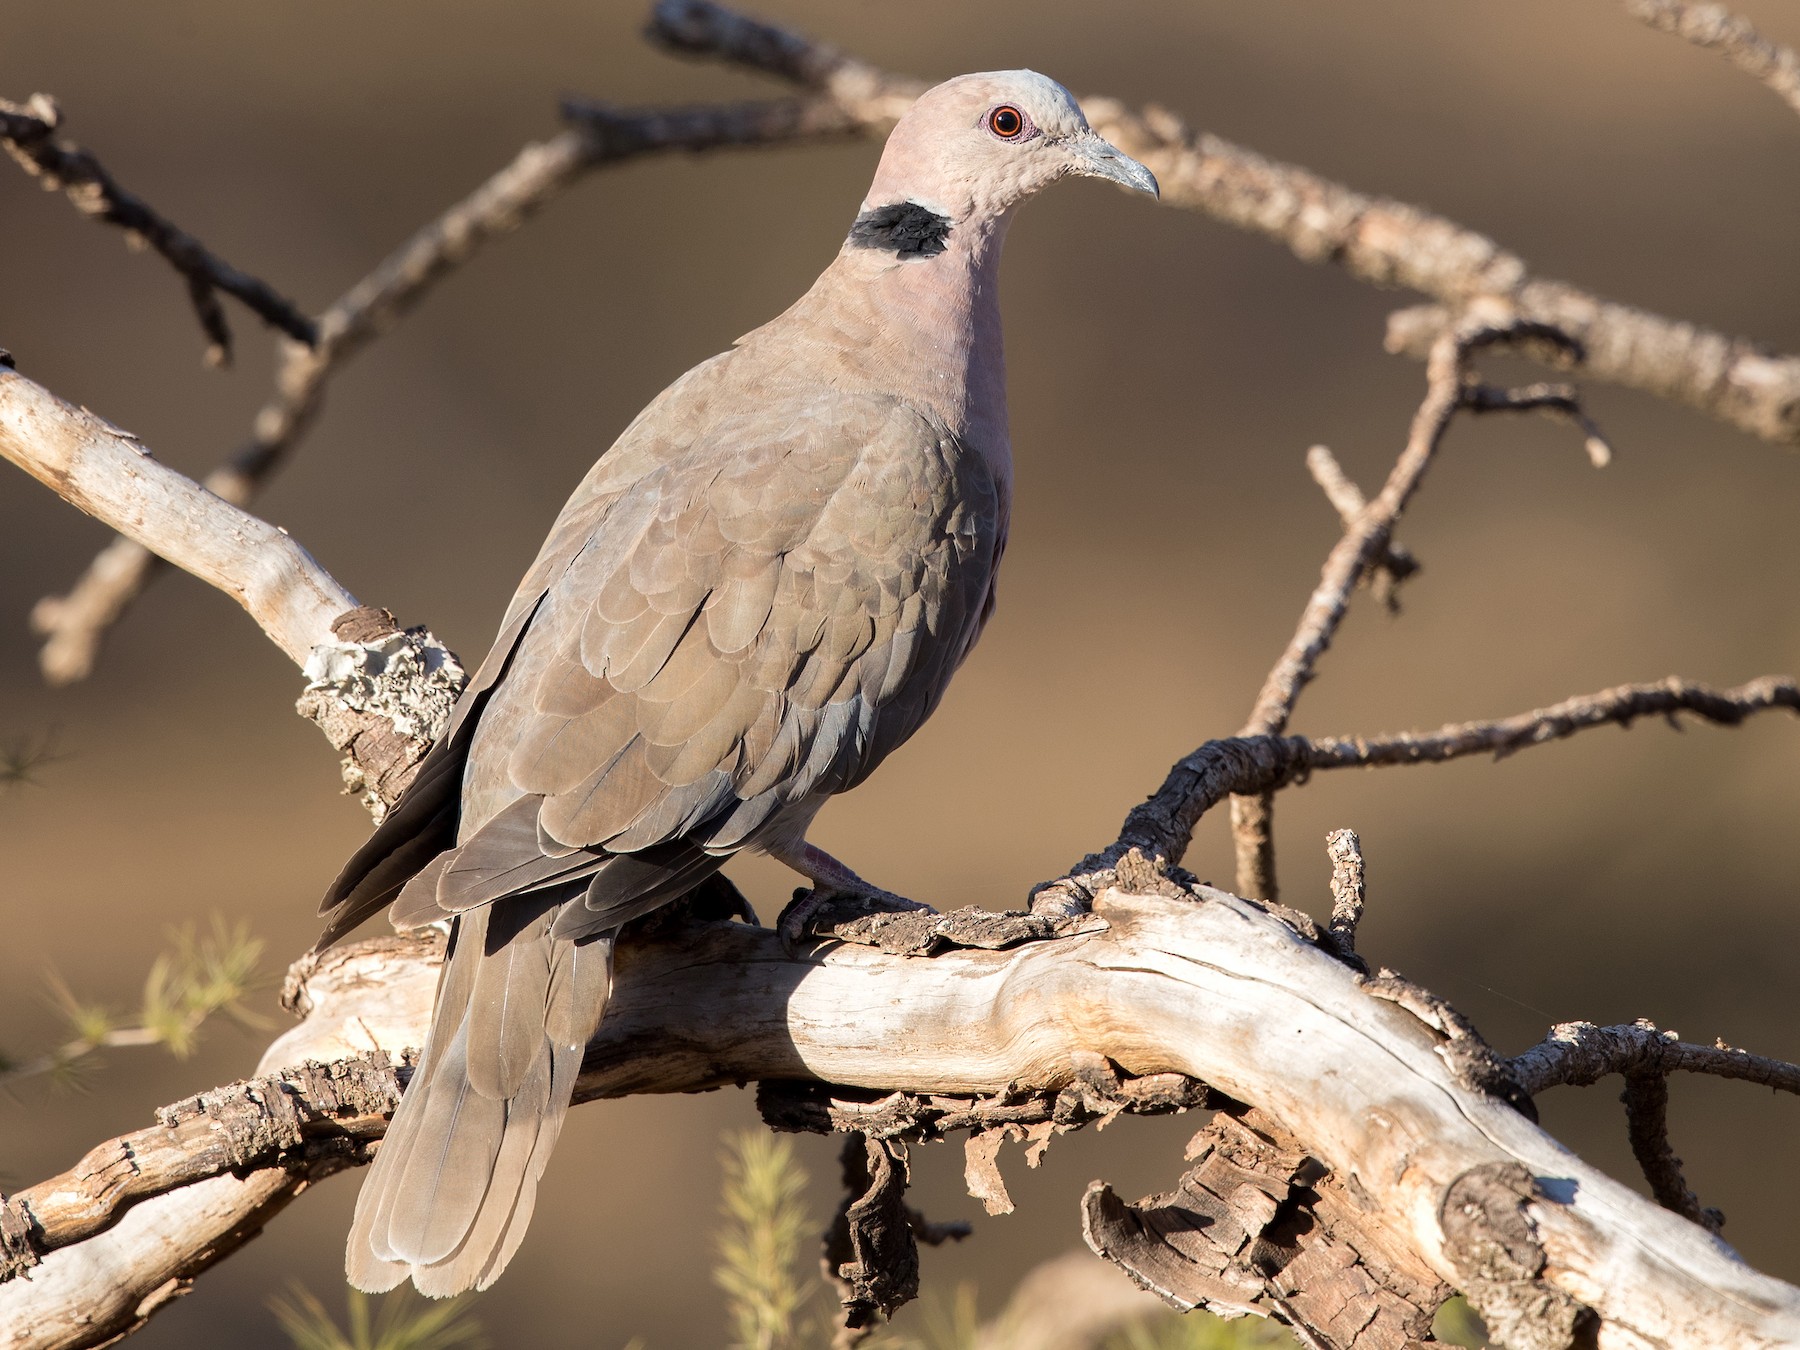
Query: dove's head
[[974, 147]]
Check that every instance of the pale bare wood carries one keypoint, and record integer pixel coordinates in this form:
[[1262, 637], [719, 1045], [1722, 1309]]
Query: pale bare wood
[[1210, 986], [111, 475], [1733, 38]]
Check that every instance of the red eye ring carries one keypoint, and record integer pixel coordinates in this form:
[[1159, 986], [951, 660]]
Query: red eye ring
[[1006, 122]]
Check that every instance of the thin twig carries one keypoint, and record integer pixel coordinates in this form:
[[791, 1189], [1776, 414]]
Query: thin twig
[[1163, 826], [1449, 389], [1579, 1054], [1562, 402], [1717, 27], [1347, 886], [28, 132], [76, 624], [1646, 1099]]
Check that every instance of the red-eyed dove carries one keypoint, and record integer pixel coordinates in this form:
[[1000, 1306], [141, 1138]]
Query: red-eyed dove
[[754, 596]]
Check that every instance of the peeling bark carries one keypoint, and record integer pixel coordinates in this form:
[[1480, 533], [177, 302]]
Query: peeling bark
[[1258, 1227]]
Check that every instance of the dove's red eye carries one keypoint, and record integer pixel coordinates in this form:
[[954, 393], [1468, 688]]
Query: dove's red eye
[[1006, 122]]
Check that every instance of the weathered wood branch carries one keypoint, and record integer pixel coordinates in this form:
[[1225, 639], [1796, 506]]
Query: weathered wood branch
[[28, 132], [111, 475], [378, 694], [1578, 1054], [1200, 984]]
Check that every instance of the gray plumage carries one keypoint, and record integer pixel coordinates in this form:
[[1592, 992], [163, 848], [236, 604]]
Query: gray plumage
[[755, 595]]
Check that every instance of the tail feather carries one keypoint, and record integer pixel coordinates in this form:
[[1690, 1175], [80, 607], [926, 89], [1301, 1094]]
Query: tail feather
[[451, 1191], [446, 1179]]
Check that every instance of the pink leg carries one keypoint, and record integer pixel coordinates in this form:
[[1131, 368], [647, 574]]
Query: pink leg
[[837, 894]]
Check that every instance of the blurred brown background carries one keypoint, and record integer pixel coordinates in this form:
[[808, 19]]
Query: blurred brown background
[[1167, 375]]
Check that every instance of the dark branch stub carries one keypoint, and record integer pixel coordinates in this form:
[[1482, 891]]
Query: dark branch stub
[[870, 1252], [867, 1255]]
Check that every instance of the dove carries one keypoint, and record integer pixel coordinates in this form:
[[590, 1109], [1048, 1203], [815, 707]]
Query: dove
[[757, 593]]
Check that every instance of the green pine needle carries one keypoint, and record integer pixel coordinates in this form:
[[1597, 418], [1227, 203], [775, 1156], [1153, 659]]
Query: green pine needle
[[20, 759], [759, 1245], [404, 1322]]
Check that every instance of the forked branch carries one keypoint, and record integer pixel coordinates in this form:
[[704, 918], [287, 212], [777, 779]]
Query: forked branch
[[28, 132]]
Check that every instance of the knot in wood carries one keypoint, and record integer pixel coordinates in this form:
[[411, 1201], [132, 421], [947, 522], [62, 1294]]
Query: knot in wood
[[1491, 1238], [381, 698]]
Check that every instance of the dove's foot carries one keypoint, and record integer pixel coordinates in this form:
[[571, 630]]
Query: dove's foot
[[838, 896]]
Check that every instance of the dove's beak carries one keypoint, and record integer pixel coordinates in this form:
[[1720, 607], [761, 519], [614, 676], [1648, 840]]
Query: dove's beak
[[1096, 158]]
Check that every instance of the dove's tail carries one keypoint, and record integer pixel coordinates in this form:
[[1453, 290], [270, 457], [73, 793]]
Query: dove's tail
[[452, 1188]]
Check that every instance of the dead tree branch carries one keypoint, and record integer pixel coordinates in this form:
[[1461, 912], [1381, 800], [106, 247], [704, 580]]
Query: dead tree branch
[[1347, 887], [1579, 1054], [1716, 27], [111, 475], [76, 624], [1646, 1099], [379, 694], [1202, 984], [29, 133]]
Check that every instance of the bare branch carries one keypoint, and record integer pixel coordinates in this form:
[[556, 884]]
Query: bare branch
[[1646, 1099], [873, 97], [1345, 851], [1717, 27], [76, 624], [1253, 845], [1579, 1054], [1560, 401], [1199, 984], [1448, 390], [29, 134], [308, 1113], [1162, 826], [378, 693], [1367, 535]]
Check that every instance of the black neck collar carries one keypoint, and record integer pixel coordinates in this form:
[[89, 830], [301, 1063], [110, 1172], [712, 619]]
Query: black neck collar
[[905, 229]]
